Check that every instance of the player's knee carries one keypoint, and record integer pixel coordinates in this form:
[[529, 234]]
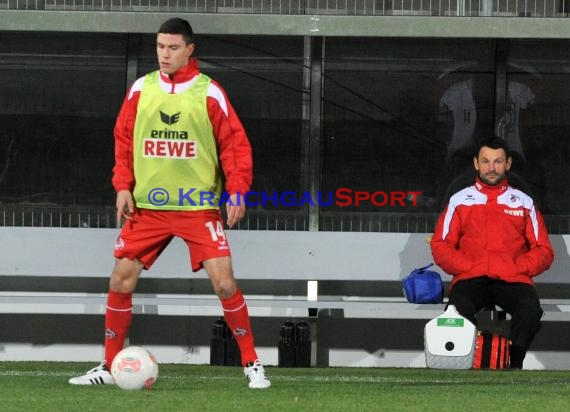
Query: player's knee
[[125, 275], [225, 289]]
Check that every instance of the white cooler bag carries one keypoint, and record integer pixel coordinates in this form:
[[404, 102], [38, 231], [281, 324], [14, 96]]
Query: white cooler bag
[[449, 341]]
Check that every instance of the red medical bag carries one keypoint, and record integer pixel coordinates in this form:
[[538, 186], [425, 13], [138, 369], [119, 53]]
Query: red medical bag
[[491, 351]]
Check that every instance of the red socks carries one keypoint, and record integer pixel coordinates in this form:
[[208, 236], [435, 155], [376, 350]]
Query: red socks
[[120, 313], [117, 323], [237, 319]]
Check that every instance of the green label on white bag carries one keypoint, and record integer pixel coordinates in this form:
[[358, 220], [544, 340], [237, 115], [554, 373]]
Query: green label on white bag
[[451, 322]]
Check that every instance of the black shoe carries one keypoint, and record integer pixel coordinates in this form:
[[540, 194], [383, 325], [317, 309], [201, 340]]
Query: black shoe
[[517, 357]]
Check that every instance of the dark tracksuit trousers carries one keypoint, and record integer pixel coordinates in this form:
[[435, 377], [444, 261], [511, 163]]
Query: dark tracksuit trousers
[[517, 299]]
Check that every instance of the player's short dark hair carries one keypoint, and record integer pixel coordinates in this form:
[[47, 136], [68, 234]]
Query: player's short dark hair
[[494, 143], [178, 26]]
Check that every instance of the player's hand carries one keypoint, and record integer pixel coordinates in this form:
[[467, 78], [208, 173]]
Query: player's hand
[[235, 208], [125, 205]]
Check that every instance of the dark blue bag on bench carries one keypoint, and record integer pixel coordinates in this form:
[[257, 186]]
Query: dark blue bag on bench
[[423, 286]]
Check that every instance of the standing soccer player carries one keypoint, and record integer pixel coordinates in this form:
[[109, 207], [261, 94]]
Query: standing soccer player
[[175, 129]]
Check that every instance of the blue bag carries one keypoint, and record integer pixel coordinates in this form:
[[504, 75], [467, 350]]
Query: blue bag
[[423, 286]]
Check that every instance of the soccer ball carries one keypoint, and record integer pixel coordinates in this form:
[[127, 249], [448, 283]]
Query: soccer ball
[[134, 368]]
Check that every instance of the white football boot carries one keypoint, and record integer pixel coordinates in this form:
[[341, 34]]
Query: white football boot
[[99, 375], [255, 374]]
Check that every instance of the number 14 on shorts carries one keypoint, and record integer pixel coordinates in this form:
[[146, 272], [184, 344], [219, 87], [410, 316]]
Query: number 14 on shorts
[[217, 232]]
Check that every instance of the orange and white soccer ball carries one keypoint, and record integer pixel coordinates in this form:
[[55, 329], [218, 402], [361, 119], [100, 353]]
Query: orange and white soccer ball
[[134, 368]]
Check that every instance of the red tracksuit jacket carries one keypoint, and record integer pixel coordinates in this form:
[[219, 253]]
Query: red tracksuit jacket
[[493, 231], [234, 149]]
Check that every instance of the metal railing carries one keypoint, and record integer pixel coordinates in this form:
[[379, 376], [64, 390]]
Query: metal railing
[[57, 216], [502, 8], [294, 220]]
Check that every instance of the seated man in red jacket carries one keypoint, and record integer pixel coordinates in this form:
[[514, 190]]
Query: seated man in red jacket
[[493, 241]]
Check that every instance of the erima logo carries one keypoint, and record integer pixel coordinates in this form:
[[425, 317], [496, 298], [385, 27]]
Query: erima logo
[[514, 212], [169, 120], [514, 198], [469, 197]]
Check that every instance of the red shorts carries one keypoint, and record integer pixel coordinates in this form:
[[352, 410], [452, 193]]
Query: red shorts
[[147, 234]]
